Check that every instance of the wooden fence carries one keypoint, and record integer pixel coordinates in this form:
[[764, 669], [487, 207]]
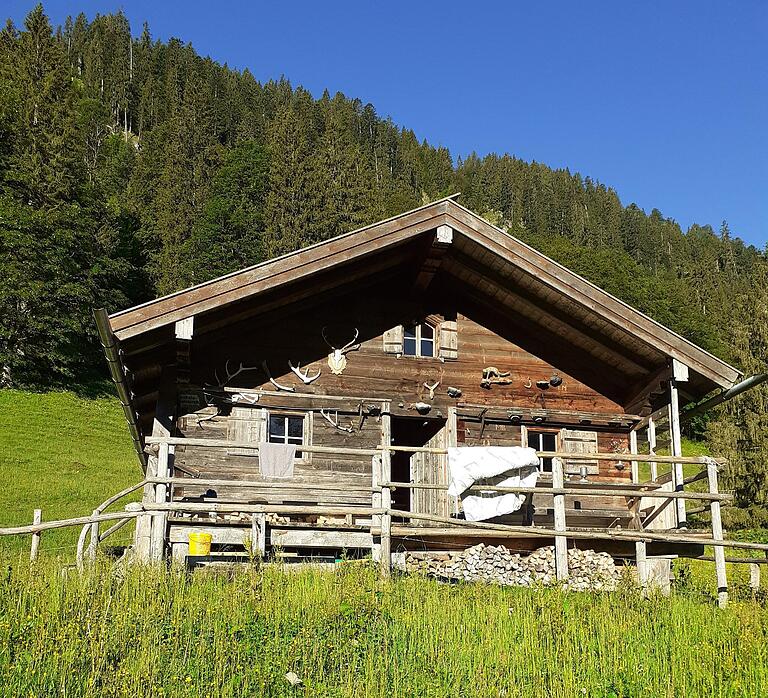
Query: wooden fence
[[382, 514]]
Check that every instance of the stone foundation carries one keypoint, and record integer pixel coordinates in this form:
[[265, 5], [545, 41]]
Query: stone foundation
[[588, 570]]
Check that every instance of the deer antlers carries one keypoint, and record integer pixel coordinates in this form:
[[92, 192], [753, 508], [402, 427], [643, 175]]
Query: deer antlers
[[431, 389], [287, 388], [304, 377], [231, 375], [337, 360], [347, 347], [336, 424]]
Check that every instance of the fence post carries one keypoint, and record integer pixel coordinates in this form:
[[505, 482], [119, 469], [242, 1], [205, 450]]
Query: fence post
[[633, 450], [717, 534], [385, 473], [37, 517], [652, 447], [258, 535], [642, 563], [161, 492], [677, 450], [93, 543], [561, 542]]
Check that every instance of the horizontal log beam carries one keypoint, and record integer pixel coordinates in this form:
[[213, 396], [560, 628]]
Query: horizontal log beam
[[285, 484], [244, 508], [64, 523], [581, 534], [646, 458], [223, 443], [578, 491]]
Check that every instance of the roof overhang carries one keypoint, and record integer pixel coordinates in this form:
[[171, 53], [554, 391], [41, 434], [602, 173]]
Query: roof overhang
[[498, 271]]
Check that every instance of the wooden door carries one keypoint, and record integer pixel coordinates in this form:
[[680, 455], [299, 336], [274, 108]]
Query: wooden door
[[431, 468]]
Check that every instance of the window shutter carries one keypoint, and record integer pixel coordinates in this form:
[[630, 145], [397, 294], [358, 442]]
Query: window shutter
[[246, 425], [393, 340], [578, 441], [449, 340]]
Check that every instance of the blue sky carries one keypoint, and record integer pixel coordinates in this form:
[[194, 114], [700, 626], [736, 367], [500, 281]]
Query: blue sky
[[667, 102]]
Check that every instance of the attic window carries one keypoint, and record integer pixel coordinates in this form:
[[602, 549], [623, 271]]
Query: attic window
[[419, 340]]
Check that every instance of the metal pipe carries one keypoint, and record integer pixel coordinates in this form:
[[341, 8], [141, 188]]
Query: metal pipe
[[721, 397], [118, 378]]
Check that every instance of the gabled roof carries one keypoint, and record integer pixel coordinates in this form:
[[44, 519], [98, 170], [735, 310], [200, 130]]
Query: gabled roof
[[496, 268]]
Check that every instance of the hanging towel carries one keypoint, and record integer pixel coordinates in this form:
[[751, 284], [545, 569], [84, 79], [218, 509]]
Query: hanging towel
[[276, 460], [469, 464]]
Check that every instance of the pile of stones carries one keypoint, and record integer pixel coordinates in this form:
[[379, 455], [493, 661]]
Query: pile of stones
[[588, 570]]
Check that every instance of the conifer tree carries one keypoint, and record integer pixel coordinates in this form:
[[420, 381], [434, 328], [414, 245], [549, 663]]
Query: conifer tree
[[290, 212], [739, 431], [230, 232], [345, 181]]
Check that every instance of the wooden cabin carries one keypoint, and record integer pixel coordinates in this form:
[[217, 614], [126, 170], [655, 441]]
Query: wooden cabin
[[428, 330]]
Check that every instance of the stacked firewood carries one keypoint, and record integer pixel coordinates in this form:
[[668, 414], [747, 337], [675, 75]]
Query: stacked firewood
[[588, 570]]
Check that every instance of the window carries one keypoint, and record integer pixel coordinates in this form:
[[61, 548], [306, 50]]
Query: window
[[286, 429], [419, 340], [543, 441]]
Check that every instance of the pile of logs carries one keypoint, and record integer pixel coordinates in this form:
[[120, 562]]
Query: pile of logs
[[588, 570]]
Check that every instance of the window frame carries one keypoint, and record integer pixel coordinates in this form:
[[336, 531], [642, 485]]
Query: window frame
[[526, 432], [306, 431], [418, 338]]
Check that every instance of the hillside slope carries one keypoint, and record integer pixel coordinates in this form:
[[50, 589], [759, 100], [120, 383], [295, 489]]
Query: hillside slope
[[63, 454]]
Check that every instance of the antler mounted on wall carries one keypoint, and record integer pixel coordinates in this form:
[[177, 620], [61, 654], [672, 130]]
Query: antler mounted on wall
[[304, 377], [231, 374], [287, 388], [335, 424], [337, 359]]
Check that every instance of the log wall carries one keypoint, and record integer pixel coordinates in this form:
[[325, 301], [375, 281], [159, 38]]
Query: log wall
[[373, 373]]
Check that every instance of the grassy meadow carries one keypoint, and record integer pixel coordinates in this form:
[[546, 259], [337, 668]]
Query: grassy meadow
[[122, 631], [63, 454], [113, 632]]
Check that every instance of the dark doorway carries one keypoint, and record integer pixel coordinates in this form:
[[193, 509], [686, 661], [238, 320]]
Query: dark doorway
[[408, 431]]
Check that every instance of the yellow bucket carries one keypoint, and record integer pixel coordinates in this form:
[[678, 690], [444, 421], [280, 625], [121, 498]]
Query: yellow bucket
[[200, 543]]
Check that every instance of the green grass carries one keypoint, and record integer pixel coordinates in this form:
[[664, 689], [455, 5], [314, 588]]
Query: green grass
[[690, 448], [139, 632], [62, 454]]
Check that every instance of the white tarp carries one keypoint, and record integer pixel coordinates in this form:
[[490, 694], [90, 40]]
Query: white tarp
[[467, 465]]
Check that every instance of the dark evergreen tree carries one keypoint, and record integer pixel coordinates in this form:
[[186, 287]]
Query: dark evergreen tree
[[230, 232], [292, 202]]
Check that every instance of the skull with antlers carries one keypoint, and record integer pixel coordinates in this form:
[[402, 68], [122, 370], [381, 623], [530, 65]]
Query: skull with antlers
[[337, 359]]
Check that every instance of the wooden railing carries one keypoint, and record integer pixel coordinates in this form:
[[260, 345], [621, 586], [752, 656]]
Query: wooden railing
[[382, 514]]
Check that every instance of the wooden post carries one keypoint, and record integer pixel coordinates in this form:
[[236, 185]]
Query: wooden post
[[37, 517], [633, 450], [453, 441], [162, 426], [159, 520], [652, 447], [258, 535], [385, 472], [642, 563], [717, 534], [754, 577], [376, 481], [94, 542], [561, 542], [677, 450]]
